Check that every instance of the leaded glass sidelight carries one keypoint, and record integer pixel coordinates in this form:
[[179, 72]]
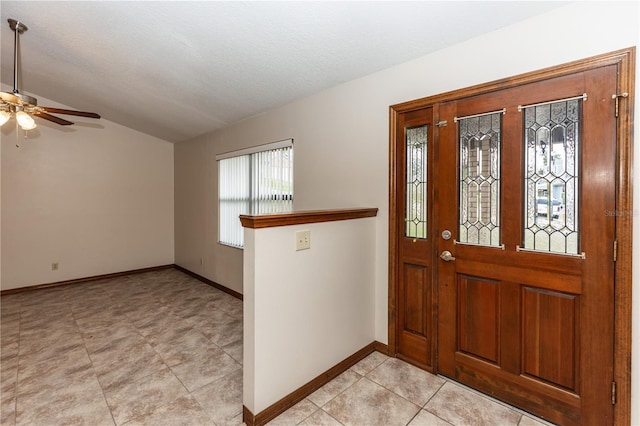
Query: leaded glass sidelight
[[416, 182], [479, 215], [552, 141]]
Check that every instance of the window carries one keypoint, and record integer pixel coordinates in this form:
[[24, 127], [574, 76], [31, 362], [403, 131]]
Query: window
[[552, 142], [253, 181], [416, 179], [479, 209]]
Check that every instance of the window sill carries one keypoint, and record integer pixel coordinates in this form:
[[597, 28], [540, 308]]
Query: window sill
[[230, 246]]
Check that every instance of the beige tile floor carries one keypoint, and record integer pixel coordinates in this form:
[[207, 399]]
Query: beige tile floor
[[162, 348]]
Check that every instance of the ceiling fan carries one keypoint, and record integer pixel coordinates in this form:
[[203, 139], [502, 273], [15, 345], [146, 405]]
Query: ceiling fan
[[24, 107]]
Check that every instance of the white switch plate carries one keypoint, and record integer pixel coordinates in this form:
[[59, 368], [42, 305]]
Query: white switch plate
[[303, 240]]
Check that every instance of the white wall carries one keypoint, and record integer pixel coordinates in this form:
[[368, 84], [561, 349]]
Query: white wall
[[305, 311], [341, 135], [96, 197]]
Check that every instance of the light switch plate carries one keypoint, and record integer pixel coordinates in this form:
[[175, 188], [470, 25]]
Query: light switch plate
[[303, 240]]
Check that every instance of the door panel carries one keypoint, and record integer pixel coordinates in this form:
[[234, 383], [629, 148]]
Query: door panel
[[478, 310], [415, 324], [521, 309], [550, 337], [417, 291]]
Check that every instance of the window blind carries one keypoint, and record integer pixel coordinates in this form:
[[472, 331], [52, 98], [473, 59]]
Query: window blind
[[254, 183]]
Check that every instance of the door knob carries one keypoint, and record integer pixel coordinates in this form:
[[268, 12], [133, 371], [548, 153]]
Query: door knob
[[446, 256]]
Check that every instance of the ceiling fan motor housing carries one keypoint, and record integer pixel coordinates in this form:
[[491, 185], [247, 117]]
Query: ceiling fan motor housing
[[17, 26]]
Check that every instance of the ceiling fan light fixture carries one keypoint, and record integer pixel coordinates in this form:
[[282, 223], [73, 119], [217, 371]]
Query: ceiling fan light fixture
[[33, 126], [16, 103], [25, 121], [4, 117]]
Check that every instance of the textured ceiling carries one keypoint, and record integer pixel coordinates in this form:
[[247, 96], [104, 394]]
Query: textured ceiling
[[176, 70]]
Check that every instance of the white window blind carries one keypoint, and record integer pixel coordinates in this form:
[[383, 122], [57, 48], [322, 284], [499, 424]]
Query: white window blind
[[257, 181]]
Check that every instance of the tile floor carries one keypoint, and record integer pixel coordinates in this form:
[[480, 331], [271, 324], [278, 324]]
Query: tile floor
[[162, 348]]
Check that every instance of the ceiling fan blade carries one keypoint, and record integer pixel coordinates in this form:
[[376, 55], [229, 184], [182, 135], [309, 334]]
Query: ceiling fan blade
[[53, 118], [71, 112]]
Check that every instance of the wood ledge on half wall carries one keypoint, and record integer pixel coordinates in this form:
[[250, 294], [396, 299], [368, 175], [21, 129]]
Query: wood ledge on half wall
[[305, 216]]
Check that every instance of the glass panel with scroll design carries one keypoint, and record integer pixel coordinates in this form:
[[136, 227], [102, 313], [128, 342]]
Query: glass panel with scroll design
[[416, 182], [552, 140], [479, 215]]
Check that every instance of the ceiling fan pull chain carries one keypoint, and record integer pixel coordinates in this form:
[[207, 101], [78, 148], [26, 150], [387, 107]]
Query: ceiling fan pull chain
[[17, 136]]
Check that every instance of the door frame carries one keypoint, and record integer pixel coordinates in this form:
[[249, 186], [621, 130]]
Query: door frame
[[625, 60]]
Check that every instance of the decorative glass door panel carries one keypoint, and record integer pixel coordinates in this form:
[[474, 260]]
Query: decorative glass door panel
[[552, 143], [416, 179], [479, 141]]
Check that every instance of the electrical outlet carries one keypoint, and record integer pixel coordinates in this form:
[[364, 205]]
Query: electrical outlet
[[54, 266], [303, 240]]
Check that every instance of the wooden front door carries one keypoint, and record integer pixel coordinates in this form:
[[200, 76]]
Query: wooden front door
[[527, 180], [503, 262]]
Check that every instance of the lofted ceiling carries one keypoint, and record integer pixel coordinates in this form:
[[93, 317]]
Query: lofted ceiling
[[178, 69]]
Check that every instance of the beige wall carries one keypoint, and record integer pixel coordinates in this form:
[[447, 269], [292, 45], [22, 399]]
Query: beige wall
[[95, 197], [196, 225], [341, 134], [304, 311]]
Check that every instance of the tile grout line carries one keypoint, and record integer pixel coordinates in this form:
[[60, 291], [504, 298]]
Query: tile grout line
[[137, 330], [499, 402], [15, 391], [84, 344], [420, 408], [171, 309], [360, 377], [424, 407]]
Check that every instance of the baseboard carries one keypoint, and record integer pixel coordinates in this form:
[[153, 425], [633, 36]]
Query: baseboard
[[383, 348], [301, 393], [122, 274], [209, 282], [82, 280]]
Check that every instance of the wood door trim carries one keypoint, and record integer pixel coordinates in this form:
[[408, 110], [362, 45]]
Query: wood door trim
[[611, 58], [625, 60], [394, 246], [624, 237]]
